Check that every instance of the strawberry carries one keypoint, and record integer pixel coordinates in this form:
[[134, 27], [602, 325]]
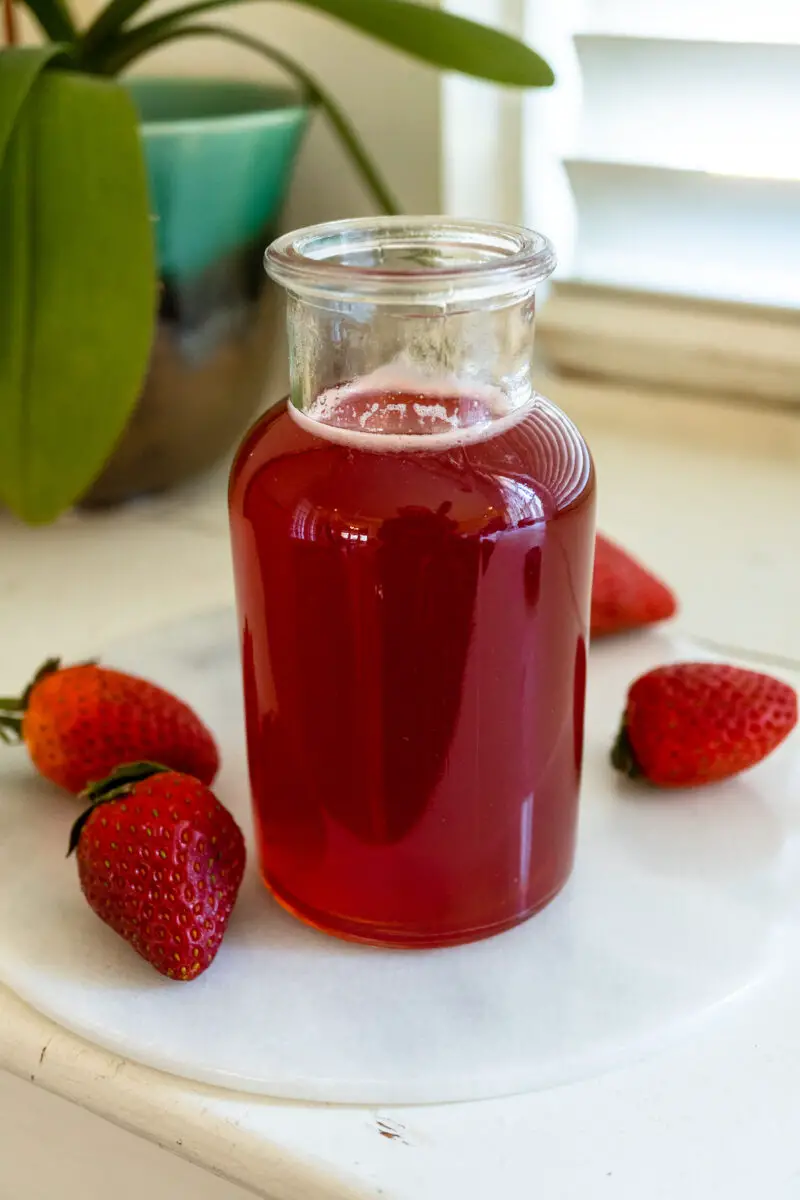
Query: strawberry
[[694, 723], [160, 860], [624, 594], [80, 722]]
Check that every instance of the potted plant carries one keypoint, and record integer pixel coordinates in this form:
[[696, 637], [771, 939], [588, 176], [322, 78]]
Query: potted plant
[[133, 309]]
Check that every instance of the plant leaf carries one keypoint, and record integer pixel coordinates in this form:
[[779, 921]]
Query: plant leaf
[[77, 303], [447, 41], [147, 37], [19, 69], [53, 18], [443, 39], [108, 22]]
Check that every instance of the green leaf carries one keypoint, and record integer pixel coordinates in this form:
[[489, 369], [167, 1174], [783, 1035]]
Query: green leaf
[[447, 41], [442, 39], [108, 22], [54, 19], [78, 299], [157, 33], [19, 69]]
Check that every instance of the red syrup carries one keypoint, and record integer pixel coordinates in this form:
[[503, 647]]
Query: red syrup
[[413, 575]]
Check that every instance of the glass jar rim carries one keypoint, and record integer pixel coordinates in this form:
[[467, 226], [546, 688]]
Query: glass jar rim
[[334, 258]]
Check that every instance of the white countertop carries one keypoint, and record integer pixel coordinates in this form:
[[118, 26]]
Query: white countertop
[[684, 483]]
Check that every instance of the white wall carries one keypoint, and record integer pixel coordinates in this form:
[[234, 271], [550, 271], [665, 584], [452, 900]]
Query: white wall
[[393, 101]]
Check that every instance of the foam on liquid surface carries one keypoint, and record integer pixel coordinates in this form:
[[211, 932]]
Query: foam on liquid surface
[[397, 408]]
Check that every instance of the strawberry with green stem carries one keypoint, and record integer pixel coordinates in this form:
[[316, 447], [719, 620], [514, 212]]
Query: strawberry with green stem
[[160, 861], [693, 723], [80, 722]]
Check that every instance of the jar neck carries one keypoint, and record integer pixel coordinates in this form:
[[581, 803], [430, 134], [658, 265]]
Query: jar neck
[[418, 323]]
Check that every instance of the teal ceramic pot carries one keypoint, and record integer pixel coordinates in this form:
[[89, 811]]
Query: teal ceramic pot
[[220, 156]]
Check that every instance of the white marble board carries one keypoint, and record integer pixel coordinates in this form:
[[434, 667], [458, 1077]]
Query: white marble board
[[678, 905]]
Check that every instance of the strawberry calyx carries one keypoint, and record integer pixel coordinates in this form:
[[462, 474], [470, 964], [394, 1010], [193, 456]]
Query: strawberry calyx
[[120, 782], [623, 758], [48, 667], [10, 728], [13, 708]]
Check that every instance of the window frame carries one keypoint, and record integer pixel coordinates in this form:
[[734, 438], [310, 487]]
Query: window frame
[[493, 140]]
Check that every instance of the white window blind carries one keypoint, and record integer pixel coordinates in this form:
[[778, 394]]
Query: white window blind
[[666, 159]]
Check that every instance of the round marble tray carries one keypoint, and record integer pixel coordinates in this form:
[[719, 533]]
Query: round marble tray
[[678, 905]]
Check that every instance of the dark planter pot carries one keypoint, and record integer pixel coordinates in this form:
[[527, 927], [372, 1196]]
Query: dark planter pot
[[220, 156]]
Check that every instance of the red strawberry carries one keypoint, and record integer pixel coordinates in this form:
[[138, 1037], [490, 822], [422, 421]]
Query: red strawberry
[[80, 722], [160, 861], [624, 594], [693, 723]]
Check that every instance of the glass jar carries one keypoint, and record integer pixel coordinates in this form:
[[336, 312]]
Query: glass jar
[[413, 533]]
